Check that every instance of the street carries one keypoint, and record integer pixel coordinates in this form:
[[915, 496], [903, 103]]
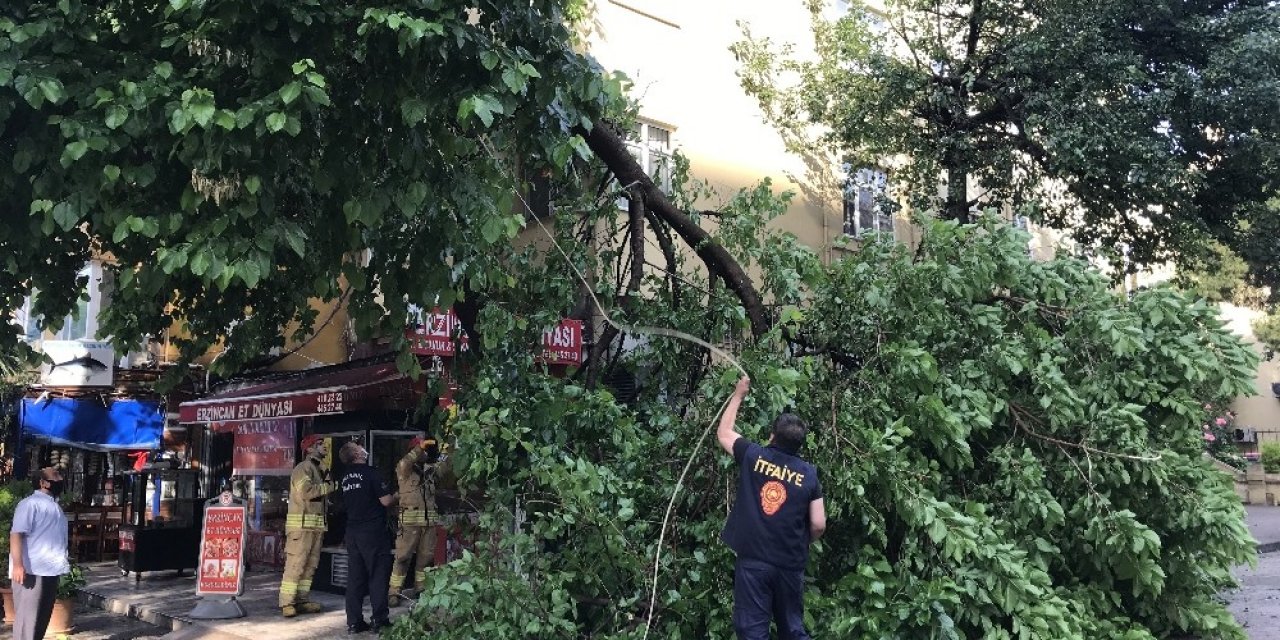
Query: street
[[1256, 605]]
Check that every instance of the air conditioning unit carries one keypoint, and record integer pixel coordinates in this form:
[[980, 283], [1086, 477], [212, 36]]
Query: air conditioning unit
[[1246, 435]]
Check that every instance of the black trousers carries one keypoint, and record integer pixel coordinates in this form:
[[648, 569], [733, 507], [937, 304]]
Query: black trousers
[[368, 574], [763, 593]]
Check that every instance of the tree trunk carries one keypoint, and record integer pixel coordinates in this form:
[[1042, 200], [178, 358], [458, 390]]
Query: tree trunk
[[613, 152], [957, 193]]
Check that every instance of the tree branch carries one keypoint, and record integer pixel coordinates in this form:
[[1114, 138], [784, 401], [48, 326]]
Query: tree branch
[[613, 152]]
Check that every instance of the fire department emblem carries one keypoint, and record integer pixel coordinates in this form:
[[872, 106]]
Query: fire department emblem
[[772, 495]]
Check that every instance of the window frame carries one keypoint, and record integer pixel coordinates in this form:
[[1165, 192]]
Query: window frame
[[852, 203], [649, 153]]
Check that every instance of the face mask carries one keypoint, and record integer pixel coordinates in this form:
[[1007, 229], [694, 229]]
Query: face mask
[[56, 487]]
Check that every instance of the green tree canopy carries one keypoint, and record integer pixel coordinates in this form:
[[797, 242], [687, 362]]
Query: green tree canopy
[[1148, 124], [235, 160], [1008, 448]]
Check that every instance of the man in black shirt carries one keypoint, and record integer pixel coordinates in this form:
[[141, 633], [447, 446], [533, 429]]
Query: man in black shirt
[[778, 513], [368, 539]]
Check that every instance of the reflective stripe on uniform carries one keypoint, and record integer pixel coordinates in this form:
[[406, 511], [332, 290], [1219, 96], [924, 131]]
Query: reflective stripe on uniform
[[288, 587], [397, 581], [295, 521], [413, 517]]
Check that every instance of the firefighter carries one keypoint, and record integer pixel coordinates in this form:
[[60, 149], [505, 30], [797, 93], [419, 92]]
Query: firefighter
[[416, 475], [304, 528]]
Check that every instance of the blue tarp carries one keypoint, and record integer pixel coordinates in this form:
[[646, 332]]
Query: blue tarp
[[87, 423]]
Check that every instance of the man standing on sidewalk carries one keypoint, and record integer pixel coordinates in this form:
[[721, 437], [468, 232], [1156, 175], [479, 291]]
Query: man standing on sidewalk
[[416, 477], [366, 497], [778, 513], [304, 528], [37, 555]]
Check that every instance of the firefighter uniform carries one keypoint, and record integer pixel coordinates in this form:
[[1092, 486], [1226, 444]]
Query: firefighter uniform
[[416, 475], [304, 528]]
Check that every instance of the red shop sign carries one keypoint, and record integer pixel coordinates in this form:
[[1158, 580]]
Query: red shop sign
[[562, 344], [311, 402], [435, 336], [263, 448], [127, 541], [221, 570]]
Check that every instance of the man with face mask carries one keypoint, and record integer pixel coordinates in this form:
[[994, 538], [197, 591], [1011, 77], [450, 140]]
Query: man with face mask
[[304, 528], [37, 555]]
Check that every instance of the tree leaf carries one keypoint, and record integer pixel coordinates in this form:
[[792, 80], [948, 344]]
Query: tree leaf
[[276, 121], [225, 118], [290, 92], [116, 116], [73, 151]]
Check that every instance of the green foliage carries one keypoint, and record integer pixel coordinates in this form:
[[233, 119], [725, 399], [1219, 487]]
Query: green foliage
[[240, 160], [11, 494], [1267, 329], [70, 583], [1008, 449], [1088, 116], [1221, 277], [1271, 457]]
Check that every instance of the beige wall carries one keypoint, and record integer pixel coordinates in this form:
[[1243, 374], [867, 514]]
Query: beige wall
[[1262, 410], [677, 54]]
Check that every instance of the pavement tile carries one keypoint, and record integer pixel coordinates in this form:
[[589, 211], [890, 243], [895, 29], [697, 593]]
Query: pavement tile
[[164, 599]]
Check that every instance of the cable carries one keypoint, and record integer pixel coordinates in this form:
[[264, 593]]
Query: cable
[[662, 331]]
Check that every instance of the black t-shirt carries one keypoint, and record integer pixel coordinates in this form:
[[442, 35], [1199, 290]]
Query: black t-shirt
[[362, 488], [770, 519]]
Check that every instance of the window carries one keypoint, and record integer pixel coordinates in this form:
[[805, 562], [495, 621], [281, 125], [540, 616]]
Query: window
[[866, 206], [27, 322], [80, 324], [650, 145]]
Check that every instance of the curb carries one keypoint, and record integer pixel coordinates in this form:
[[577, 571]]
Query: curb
[[149, 615], [176, 627]]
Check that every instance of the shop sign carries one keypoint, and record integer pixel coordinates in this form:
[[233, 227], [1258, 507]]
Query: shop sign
[[562, 344], [312, 402], [127, 542], [435, 335], [77, 363], [222, 551], [263, 448]]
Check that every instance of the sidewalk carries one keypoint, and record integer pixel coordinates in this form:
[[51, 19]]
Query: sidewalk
[[164, 599], [1264, 524]]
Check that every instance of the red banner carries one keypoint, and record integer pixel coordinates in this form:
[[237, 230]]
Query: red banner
[[562, 344], [263, 448], [222, 551]]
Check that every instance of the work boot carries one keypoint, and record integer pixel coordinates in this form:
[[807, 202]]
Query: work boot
[[359, 627], [378, 625], [395, 600], [309, 607], [288, 611]]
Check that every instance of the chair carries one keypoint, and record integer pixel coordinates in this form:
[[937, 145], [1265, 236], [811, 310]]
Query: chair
[[109, 546], [86, 532]]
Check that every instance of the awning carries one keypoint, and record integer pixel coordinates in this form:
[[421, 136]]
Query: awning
[[88, 423], [316, 393]]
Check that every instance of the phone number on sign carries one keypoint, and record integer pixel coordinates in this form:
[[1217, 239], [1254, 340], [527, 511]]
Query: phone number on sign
[[330, 402]]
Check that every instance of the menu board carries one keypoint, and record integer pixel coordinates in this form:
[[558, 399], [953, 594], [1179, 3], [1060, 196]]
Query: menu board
[[221, 570]]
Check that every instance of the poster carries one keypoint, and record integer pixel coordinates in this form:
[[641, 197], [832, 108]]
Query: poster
[[221, 569], [263, 448]]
